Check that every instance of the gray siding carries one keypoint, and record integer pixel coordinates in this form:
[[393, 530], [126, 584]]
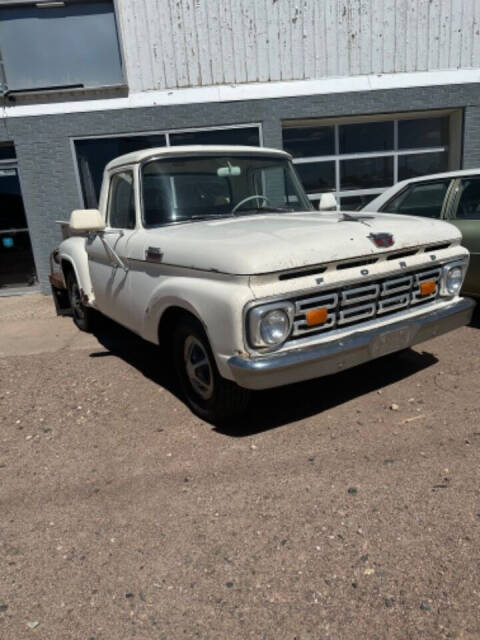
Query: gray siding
[[187, 43]]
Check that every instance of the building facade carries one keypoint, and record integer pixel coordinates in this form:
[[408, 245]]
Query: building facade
[[362, 93]]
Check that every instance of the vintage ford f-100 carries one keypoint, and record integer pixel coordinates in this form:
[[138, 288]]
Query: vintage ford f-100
[[217, 253]]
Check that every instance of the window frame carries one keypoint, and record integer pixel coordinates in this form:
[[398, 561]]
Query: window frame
[[455, 126], [446, 200], [59, 89], [165, 132], [131, 169]]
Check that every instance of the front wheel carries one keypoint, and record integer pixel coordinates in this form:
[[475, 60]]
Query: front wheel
[[82, 315], [208, 394]]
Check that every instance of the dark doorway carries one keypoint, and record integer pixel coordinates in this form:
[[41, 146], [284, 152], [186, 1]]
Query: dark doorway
[[17, 267]]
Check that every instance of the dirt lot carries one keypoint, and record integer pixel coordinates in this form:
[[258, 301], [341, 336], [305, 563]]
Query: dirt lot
[[344, 508]]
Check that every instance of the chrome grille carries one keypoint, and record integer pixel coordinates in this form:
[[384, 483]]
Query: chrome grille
[[355, 304]]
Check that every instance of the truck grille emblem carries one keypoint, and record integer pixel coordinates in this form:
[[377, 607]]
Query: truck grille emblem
[[381, 239]]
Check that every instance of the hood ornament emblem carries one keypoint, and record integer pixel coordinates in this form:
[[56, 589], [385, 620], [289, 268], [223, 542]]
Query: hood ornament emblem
[[382, 240]]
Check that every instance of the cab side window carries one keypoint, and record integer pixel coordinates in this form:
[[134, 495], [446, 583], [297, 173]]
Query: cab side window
[[420, 199], [121, 207], [469, 204]]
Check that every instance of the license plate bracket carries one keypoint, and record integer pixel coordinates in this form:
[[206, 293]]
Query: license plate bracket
[[390, 341]]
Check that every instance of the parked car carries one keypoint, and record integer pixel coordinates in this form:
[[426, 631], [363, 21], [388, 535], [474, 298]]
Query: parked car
[[217, 253], [454, 197]]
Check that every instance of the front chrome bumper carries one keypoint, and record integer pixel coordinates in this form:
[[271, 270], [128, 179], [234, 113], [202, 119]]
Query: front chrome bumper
[[274, 370]]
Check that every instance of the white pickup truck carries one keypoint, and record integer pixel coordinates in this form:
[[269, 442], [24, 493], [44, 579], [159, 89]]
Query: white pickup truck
[[217, 253]]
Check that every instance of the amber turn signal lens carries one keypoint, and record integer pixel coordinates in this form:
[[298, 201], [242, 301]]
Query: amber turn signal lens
[[426, 288], [316, 316]]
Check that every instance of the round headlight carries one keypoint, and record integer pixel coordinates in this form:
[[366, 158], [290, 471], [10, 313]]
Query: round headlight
[[275, 327], [454, 280]]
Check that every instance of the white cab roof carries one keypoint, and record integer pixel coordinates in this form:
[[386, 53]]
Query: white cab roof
[[188, 150]]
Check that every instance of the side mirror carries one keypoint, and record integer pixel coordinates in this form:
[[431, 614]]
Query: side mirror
[[86, 220], [327, 202]]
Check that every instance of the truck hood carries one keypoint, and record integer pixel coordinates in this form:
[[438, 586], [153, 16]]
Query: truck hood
[[265, 243]]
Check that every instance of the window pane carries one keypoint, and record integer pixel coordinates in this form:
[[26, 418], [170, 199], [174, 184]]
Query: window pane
[[122, 202], [424, 132], [7, 152], [303, 142], [70, 45], [420, 199], [94, 154], [366, 173], [179, 189], [317, 176], [355, 203], [469, 205], [243, 135], [422, 164], [367, 136]]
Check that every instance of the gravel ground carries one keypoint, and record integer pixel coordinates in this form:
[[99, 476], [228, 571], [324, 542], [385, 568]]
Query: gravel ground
[[343, 508]]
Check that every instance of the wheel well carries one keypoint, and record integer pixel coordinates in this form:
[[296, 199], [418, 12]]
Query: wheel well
[[66, 269], [170, 318]]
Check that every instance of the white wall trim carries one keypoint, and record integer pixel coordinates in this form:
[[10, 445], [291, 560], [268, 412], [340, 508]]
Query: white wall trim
[[252, 91]]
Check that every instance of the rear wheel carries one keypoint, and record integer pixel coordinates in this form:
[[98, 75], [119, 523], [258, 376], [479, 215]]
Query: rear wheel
[[208, 394], [82, 315]]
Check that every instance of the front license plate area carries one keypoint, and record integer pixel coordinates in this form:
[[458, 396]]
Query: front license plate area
[[390, 341]]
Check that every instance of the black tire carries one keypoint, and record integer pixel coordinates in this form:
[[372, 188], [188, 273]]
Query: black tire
[[210, 396], [82, 315]]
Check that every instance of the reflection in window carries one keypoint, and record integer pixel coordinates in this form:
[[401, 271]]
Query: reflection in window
[[122, 201], [355, 203], [469, 204], [366, 173], [423, 132], [94, 154], [61, 44], [420, 199], [186, 188], [244, 135], [317, 176], [303, 142], [368, 156], [366, 136], [422, 164]]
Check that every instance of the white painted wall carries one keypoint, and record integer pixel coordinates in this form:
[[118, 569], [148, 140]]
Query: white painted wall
[[189, 43]]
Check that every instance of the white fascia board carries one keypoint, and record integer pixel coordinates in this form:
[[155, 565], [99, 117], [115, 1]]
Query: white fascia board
[[252, 91]]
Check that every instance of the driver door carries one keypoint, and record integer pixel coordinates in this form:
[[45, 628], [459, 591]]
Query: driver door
[[108, 251]]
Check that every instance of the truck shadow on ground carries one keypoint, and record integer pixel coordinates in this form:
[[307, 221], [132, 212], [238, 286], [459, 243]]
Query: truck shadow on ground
[[275, 407], [475, 321]]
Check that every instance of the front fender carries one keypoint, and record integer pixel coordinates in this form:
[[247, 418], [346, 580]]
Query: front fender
[[73, 250], [217, 302]]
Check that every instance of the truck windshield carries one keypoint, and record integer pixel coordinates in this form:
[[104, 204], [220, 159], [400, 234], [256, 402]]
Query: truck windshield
[[202, 187]]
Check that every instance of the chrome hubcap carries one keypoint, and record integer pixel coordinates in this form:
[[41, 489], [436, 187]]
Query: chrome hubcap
[[198, 367]]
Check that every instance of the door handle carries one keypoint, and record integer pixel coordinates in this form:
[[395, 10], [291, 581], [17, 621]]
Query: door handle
[[153, 254]]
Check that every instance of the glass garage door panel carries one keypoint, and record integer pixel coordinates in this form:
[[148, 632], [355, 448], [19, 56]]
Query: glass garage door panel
[[317, 176], [421, 164], [306, 142], [366, 173]]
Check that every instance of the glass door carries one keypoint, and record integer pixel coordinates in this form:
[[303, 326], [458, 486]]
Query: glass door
[[17, 267]]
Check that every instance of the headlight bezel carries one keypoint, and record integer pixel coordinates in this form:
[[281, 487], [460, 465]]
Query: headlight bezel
[[445, 290], [254, 323]]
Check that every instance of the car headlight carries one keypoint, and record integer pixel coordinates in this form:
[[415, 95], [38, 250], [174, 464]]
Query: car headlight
[[452, 279], [269, 325]]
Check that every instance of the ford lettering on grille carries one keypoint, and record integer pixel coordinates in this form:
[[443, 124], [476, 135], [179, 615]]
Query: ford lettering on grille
[[356, 304]]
